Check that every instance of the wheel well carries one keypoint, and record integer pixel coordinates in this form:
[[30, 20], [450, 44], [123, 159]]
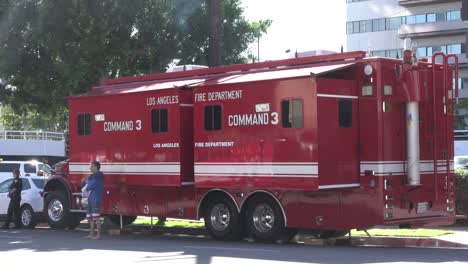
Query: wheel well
[[212, 195], [56, 185], [26, 204], [264, 194]]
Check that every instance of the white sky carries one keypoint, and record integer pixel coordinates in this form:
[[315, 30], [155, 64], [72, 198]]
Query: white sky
[[298, 24]]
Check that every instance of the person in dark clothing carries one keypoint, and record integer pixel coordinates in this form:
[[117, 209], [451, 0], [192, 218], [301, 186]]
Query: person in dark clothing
[[14, 192]]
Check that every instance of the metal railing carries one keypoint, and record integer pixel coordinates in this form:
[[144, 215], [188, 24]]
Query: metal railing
[[32, 135]]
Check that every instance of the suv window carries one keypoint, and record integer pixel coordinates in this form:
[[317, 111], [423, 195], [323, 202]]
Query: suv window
[[9, 167], [29, 168], [39, 183], [5, 185], [26, 184], [45, 168]]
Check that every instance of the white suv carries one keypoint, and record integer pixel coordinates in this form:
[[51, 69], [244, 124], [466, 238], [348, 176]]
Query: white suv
[[26, 168]]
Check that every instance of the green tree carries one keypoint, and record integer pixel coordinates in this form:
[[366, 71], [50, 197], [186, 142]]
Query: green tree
[[238, 33], [54, 49]]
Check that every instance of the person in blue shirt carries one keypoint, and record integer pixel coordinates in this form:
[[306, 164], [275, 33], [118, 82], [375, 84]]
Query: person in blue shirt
[[95, 186]]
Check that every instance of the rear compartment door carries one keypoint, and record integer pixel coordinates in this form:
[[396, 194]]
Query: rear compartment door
[[338, 134]]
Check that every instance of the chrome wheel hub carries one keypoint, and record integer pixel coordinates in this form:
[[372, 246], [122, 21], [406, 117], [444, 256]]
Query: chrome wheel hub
[[26, 217], [55, 210], [220, 217], [263, 218]]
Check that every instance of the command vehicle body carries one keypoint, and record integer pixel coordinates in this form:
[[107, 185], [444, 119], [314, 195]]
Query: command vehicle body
[[325, 143]]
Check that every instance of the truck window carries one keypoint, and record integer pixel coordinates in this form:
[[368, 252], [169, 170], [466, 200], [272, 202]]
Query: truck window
[[84, 124], [292, 113], [345, 112], [213, 117], [159, 120]]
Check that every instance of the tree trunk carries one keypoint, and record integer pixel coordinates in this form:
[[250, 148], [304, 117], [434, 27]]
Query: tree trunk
[[216, 33]]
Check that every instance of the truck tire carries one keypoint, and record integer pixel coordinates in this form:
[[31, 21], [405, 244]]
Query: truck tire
[[265, 221], [27, 217], [126, 219], [222, 220], [57, 210]]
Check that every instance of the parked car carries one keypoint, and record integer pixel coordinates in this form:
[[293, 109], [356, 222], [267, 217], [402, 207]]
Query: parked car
[[26, 168], [461, 161], [32, 203]]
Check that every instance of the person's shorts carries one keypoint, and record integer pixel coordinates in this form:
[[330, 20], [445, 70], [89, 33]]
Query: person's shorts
[[93, 211]]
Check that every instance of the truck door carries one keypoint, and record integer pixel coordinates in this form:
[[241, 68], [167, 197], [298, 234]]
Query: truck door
[[338, 134]]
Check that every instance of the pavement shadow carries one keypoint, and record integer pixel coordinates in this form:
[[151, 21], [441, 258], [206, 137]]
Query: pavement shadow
[[154, 247]]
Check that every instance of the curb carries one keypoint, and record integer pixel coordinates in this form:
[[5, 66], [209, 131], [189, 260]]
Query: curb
[[305, 239]]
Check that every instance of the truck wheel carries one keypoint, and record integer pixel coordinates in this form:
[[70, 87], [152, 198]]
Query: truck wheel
[[27, 217], [265, 221], [222, 219], [126, 220], [57, 210]]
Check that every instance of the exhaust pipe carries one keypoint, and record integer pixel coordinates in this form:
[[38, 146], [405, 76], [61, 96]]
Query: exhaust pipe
[[412, 143]]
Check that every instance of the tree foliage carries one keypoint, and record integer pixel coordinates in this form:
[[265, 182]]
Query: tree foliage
[[54, 49]]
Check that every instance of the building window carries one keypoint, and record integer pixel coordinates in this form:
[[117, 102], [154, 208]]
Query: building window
[[449, 49], [378, 24], [356, 27], [365, 26], [393, 23], [393, 53], [159, 120], [345, 113], [213, 117], [84, 124], [292, 113], [349, 27], [440, 17], [431, 18], [454, 15], [421, 52]]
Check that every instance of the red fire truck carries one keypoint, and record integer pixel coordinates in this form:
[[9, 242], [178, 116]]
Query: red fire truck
[[325, 143]]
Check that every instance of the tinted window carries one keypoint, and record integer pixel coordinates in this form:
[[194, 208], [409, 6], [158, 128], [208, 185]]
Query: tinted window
[[298, 114], [285, 117], [29, 168], [159, 120], [345, 111], [39, 183], [9, 167], [164, 120], [213, 117], [84, 124], [292, 113], [26, 184], [217, 117], [5, 185]]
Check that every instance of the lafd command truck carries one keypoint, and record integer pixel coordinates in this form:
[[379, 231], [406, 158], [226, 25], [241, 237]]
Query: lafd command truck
[[324, 143]]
